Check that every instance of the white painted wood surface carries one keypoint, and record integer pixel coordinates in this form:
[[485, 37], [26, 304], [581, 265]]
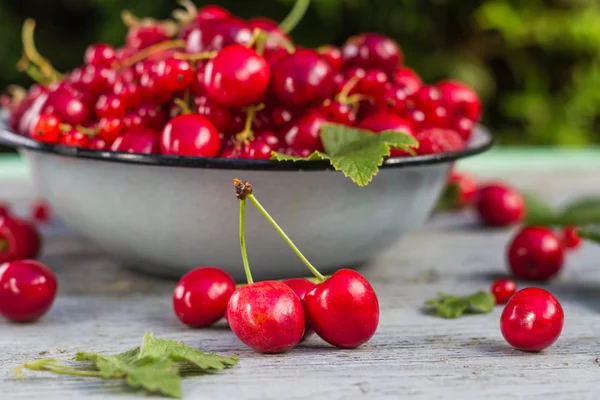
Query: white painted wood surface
[[107, 309]]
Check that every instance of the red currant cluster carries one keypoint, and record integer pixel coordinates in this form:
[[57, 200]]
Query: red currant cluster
[[210, 84]]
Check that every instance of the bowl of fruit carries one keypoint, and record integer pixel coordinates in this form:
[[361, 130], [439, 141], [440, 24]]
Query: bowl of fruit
[[136, 150]]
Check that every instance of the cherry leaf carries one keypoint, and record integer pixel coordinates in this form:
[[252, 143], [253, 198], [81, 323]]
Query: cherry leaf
[[450, 306]]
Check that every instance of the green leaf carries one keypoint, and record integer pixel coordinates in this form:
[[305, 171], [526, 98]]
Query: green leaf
[[582, 211], [539, 212], [157, 376], [590, 233], [450, 306], [447, 201], [162, 348], [357, 153]]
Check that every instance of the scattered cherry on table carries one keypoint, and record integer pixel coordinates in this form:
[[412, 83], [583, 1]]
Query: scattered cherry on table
[[535, 253], [503, 289]]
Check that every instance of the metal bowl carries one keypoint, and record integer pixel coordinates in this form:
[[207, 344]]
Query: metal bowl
[[165, 215]]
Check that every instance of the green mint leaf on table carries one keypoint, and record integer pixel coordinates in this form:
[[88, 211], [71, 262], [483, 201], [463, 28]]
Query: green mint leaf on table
[[357, 153], [447, 201], [590, 233], [539, 212], [449, 306], [155, 367], [580, 212], [583, 211]]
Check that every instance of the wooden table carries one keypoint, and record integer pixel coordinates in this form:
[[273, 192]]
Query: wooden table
[[104, 308]]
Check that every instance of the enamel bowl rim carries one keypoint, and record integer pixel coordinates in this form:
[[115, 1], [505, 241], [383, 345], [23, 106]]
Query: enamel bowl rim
[[484, 141]]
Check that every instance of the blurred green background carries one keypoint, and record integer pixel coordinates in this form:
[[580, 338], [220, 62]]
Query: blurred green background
[[536, 64]]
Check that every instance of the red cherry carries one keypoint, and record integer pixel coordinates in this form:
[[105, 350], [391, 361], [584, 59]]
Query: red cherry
[[27, 290], [215, 34], [201, 296], [40, 212], [129, 93], [190, 135], [426, 99], [500, 205], [133, 121], [281, 116], [174, 75], [236, 77], [333, 55], [464, 126], [536, 253], [270, 138], [570, 237], [532, 320], [257, 149], [110, 106], [394, 100], [460, 99], [408, 80], [19, 239], [222, 118], [66, 108], [373, 83], [417, 119], [301, 286], [102, 55], [95, 79], [142, 141], [466, 188], [262, 121], [46, 129], [337, 112], [274, 40], [197, 85], [153, 117], [302, 78], [74, 138], [303, 134], [343, 310], [503, 290], [152, 92], [385, 122], [109, 129], [267, 316], [370, 50], [435, 140], [144, 35], [97, 143], [211, 11]]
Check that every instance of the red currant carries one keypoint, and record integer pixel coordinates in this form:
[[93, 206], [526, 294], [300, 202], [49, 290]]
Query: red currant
[[110, 106], [267, 316], [236, 77], [570, 238], [74, 138], [27, 290], [174, 75], [40, 212], [301, 286], [302, 78], [201, 296], [141, 140], [343, 310], [535, 253], [46, 129], [503, 290], [532, 320], [333, 55], [500, 205], [190, 135], [109, 129], [371, 50], [19, 239], [460, 99], [102, 55]]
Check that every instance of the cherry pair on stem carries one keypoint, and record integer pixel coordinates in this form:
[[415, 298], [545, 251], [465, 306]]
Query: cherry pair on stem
[[270, 317]]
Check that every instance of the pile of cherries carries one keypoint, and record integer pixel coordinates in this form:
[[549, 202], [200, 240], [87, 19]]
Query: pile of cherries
[[209, 84]]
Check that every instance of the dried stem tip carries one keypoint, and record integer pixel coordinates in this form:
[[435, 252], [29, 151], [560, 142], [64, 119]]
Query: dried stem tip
[[242, 188]]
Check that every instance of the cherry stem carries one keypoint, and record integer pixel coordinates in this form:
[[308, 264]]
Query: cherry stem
[[247, 133], [65, 127], [52, 365], [150, 50], [205, 55], [185, 108], [243, 242], [343, 95], [33, 72], [187, 15], [285, 237], [86, 131], [295, 16], [31, 53]]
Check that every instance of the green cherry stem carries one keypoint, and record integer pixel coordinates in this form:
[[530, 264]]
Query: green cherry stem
[[295, 16], [243, 242], [285, 237]]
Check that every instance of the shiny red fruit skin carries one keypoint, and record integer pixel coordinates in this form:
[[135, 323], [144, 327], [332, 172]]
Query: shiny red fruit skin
[[236, 77], [215, 34], [19, 239], [499, 205], [503, 290], [211, 11], [40, 212], [532, 320], [190, 135], [333, 55], [27, 290], [223, 118], [436, 140], [74, 138], [394, 100], [46, 129], [371, 50], [535, 253], [464, 126], [301, 286], [267, 316], [302, 78], [67, 108], [570, 238], [100, 54], [337, 112], [343, 310], [145, 35], [141, 141], [303, 134], [460, 100], [97, 143], [257, 149], [174, 75], [387, 122], [109, 129], [270, 138], [373, 84], [408, 80], [110, 106], [201, 296], [466, 188]]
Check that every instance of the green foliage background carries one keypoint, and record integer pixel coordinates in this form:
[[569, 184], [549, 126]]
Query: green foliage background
[[535, 63]]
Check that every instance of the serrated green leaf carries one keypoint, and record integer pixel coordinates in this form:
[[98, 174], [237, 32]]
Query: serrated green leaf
[[450, 306], [162, 348], [582, 211], [357, 153], [539, 212], [158, 376]]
